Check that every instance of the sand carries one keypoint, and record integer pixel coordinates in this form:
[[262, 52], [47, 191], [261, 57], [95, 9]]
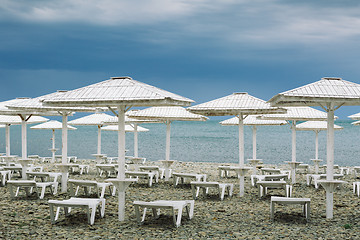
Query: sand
[[246, 217]]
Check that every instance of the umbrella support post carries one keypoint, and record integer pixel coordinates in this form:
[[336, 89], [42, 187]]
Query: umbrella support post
[[64, 169], [24, 163], [293, 166], [121, 186], [241, 171], [330, 186]]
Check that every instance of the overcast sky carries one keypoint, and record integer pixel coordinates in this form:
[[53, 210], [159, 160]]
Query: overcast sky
[[200, 49]]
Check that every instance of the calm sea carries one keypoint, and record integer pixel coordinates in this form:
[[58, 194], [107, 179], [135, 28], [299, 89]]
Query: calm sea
[[197, 142]]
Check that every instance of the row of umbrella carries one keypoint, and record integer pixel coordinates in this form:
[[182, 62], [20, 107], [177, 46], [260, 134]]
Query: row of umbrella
[[120, 94]]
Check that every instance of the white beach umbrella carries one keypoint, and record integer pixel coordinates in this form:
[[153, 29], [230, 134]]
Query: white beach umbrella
[[253, 121], [35, 105], [96, 119], [315, 126], [121, 93], [293, 115], [240, 105], [167, 115], [52, 125], [356, 123], [330, 94]]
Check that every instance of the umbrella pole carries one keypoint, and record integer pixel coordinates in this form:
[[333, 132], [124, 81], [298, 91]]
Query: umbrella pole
[[64, 169], [53, 145], [136, 148], [121, 160], [99, 140], [241, 155], [316, 144], [330, 160], [254, 141], [7, 135], [293, 151], [23, 138], [167, 156]]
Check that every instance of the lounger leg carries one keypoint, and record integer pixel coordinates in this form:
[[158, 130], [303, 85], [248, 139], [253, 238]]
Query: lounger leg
[[17, 191], [150, 181], [102, 192], [42, 192], [93, 212], [272, 206], [231, 189], [222, 192], [193, 192], [308, 211], [177, 220], [52, 213], [57, 213], [102, 209], [144, 213], [137, 213], [204, 190]]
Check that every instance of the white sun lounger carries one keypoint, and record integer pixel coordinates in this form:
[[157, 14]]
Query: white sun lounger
[[87, 185], [162, 204], [90, 204], [184, 176], [265, 185], [305, 202], [221, 187], [149, 176], [28, 185]]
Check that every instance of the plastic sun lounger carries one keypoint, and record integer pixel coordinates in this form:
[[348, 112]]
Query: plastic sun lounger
[[87, 185], [183, 176], [162, 204], [5, 176], [144, 175], [222, 187], [305, 202], [90, 204], [265, 185], [28, 185]]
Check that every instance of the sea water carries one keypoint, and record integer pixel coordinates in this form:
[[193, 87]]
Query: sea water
[[198, 142]]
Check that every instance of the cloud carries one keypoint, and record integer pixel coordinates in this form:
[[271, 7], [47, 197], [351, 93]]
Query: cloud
[[269, 22]]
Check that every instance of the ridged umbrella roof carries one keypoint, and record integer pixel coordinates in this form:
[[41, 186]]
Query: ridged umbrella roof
[[326, 90], [92, 119], [167, 113], [118, 91], [5, 110], [252, 120], [315, 126], [52, 124], [36, 104], [128, 128], [234, 104], [298, 114], [355, 116], [15, 120]]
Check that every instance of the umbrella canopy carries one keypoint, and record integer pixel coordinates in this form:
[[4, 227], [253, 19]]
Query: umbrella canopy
[[128, 128], [96, 119], [121, 93], [330, 94], [355, 116], [240, 105], [253, 121], [356, 123], [315, 126], [167, 115]]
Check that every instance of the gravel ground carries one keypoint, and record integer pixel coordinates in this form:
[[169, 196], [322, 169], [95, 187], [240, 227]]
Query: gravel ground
[[247, 217]]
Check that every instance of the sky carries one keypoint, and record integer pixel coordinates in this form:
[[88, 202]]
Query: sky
[[200, 49]]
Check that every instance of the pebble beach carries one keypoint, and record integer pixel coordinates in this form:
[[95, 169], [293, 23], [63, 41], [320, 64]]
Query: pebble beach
[[246, 217]]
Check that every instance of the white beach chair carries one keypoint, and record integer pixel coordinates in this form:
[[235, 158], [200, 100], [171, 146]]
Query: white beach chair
[[162, 204], [90, 204]]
